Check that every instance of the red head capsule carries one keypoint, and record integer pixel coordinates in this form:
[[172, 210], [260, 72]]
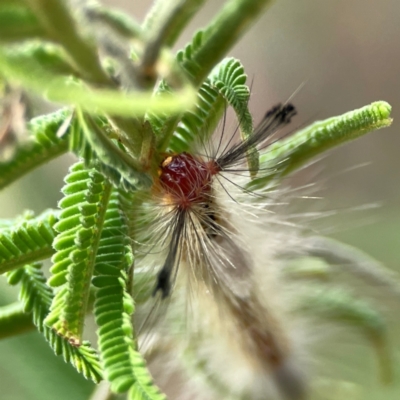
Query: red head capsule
[[186, 179]]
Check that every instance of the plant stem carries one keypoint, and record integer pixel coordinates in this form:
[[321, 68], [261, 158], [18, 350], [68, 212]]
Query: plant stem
[[57, 20], [18, 23], [223, 32], [162, 28], [14, 321], [118, 21], [18, 261]]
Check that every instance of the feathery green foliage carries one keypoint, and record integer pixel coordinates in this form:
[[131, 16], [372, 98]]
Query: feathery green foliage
[[210, 45], [69, 224], [105, 155], [131, 102], [27, 241], [199, 123], [84, 221], [225, 86], [124, 366], [288, 155], [229, 78], [41, 146], [36, 297]]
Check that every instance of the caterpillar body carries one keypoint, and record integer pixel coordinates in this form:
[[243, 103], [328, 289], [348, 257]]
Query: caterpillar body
[[205, 260]]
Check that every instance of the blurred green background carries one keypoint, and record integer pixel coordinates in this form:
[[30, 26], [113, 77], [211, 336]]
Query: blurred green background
[[346, 54]]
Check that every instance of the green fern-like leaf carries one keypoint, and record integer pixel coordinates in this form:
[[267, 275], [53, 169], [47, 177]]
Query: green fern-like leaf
[[99, 151], [143, 388], [225, 86], [229, 78], [36, 297], [210, 45], [186, 56], [199, 123], [69, 222], [164, 125], [124, 366], [70, 303], [28, 241], [41, 146], [289, 154]]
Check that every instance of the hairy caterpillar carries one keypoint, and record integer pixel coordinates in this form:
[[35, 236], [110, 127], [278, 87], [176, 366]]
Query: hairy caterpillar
[[226, 320], [203, 258]]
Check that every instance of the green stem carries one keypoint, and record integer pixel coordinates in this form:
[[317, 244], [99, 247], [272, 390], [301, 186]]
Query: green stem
[[14, 321], [165, 23], [57, 20], [223, 32], [132, 130], [19, 261], [118, 21], [18, 23], [109, 153]]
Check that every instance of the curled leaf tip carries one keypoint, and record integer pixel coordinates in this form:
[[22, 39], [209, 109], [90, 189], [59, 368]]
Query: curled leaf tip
[[384, 109]]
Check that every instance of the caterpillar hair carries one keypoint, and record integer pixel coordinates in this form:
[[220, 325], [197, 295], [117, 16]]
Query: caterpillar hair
[[205, 259]]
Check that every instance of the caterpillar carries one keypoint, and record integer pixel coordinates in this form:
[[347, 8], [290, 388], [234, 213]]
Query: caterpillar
[[204, 258]]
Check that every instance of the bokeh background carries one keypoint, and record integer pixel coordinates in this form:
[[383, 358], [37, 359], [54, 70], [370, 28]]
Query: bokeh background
[[344, 55]]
